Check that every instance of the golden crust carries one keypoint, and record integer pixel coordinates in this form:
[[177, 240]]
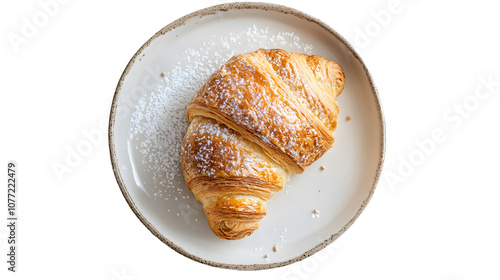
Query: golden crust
[[260, 117]]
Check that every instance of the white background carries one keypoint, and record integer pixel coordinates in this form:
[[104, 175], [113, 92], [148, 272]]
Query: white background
[[434, 215]]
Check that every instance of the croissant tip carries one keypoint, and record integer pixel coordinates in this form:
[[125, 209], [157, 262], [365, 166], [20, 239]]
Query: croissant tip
[[232, 230]]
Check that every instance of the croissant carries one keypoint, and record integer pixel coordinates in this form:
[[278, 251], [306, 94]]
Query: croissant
[[259, 118]]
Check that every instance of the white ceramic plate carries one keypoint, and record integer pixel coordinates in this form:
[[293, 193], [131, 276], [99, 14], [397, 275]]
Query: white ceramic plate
[[147, 125]]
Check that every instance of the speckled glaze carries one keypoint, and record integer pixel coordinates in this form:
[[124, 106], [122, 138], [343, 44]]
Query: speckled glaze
[[221, 9]]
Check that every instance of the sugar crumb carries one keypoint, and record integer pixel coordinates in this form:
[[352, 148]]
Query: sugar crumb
[[348, 118], [322, 167], [315, 213], [275, 248]]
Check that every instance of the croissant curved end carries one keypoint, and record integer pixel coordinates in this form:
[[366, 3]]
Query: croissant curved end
[[232, 230]]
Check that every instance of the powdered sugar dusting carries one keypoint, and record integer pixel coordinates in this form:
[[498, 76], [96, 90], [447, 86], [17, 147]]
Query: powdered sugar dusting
[[214, 140], [158, 123]]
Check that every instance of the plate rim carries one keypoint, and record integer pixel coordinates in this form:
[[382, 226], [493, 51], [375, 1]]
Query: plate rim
[[225, 8]]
